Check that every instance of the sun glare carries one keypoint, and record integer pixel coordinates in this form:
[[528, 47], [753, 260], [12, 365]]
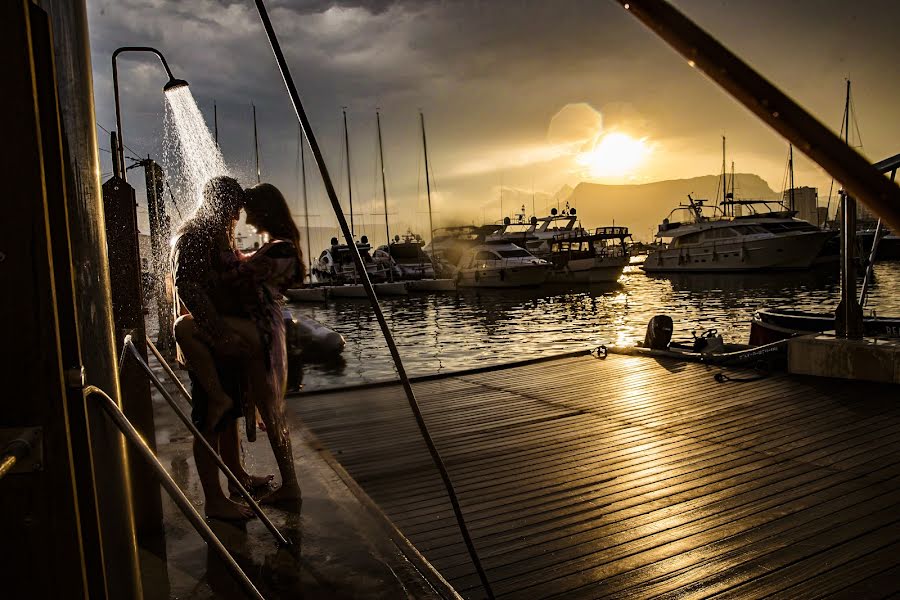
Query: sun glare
[[613, 155]]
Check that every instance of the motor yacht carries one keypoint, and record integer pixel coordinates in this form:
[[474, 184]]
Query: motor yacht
[[769, 240], [500, 265]]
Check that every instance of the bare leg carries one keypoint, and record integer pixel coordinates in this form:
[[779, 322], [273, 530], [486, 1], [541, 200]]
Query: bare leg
[[217, 505], [230, 449], [279, 435], [202, 363]]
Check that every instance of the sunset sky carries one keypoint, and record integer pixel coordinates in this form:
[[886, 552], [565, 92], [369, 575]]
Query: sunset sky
[[528, 95]]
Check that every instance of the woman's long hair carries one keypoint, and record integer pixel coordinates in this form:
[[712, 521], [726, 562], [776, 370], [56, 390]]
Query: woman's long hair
[[272, 215]]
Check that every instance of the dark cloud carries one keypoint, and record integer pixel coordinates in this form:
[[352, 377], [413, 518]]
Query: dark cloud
[[490, 76]]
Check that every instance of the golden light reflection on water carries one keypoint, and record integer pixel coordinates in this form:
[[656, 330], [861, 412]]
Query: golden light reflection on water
[[444, 332]]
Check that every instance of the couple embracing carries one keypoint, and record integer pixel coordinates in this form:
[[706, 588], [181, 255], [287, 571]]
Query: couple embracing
[[231, 334]]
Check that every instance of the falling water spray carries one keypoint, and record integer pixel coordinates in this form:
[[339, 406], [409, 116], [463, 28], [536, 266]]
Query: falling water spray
[[190, 150]]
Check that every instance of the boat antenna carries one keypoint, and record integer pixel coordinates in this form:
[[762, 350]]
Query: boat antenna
[[427, 182], [387, 227], [349, 185], [301, 158], [256, 144]]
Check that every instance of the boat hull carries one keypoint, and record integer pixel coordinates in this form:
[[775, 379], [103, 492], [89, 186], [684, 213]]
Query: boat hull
[[589, 270], [310, 294], [350, 290], [392, 288], [507, 277], [798, 251], [431, 285], [771, 325]]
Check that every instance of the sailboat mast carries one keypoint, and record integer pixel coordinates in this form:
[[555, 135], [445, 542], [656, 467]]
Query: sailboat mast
[[256, 144], [427, 181], [791, 167], [847, 116], [724, 181], [387, 227], [349, 185], [302, 159]]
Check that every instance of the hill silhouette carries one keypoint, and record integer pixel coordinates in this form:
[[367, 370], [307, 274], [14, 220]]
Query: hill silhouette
[[642, 207]]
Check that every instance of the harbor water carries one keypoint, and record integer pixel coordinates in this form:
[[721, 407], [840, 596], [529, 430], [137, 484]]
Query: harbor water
[[440, 333]]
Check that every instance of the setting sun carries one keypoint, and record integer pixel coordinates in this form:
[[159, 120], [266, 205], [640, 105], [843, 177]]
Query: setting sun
[[614, 154]]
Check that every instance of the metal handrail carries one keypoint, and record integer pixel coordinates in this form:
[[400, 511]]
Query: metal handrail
[[15, 451], [172, 376], [131, 434], [129, 345]]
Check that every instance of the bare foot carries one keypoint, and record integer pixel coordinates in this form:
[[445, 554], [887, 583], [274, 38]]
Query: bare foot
[[227, 510], [285, 495], [216, 410], [251, 482]]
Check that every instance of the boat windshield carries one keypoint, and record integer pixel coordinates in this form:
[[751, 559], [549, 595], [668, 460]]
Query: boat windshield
[[518, 253]]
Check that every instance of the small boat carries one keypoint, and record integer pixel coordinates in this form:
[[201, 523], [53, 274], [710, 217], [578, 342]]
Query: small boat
[[501, 265], [773, 240], [773, 324], [406, 257], [312, 338], [335, 265], [307, 294]]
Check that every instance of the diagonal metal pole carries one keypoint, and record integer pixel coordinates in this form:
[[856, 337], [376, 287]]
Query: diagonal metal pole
[[370, 291]]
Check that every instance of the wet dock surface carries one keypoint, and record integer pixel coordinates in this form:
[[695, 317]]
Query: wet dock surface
[[635, 477], [340, 547]]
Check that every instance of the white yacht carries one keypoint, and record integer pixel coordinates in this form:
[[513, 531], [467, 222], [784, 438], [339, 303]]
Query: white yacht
[[576, 254], [769, 240], [500, 265]]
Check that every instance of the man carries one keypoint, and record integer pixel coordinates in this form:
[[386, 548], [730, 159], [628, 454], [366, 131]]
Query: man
[[203, 249]]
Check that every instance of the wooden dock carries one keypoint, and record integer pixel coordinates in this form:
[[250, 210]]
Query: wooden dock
[[635, 477]]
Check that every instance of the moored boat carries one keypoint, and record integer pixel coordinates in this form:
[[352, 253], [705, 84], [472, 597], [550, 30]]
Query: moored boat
[[772, 240], [773, 324], [500, 266]]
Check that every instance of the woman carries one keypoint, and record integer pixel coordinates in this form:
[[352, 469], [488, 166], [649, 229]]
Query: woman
[[257, 281], [263, 277]]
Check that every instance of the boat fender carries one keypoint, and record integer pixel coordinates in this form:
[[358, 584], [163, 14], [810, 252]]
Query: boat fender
[[502, 274], [745, 254], [477, 275]]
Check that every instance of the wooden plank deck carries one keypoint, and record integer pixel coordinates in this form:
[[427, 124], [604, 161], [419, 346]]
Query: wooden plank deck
[[636, 477]]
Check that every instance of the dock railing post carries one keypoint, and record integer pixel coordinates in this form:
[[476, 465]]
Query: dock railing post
[[848, 318], [128, 319], [160, 230]]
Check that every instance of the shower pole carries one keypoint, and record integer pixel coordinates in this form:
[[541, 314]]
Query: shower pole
[[370, 291]]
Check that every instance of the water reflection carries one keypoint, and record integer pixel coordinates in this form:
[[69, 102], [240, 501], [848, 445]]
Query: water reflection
[[474, 328]]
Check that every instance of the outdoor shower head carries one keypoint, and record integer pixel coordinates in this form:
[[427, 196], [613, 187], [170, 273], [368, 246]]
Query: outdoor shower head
[[174, 84], [171, 85]]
